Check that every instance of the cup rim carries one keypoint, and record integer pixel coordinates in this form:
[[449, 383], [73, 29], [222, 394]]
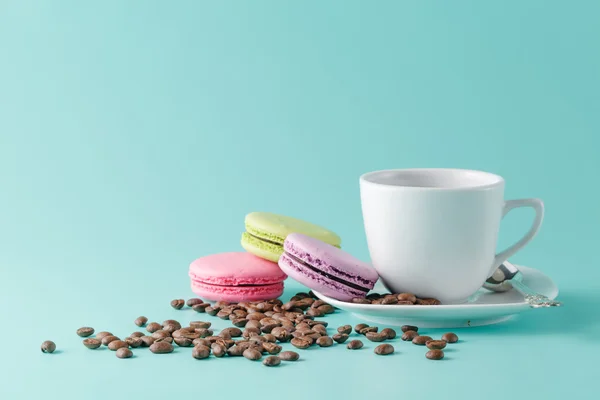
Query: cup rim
[[498, 180]]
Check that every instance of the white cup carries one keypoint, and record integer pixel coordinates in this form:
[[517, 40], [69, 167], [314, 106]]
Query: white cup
[[433, 232]]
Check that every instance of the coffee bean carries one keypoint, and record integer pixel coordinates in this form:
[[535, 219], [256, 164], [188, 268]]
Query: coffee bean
[[203, 307], [428, 302], [91, 343], [253, 324], [281, 334], [178, 304], [302, 342], [368, 329], [224, 334], [312, 334], [303, 326], [255, 316], [222, 304], [252, 354], [435, 354], [407, 297], [200, 352], [170, 328], [153, 327], [450, 337], [173, 322], [377, 301], [373, 296], [303, 304], [189, 333], [117, 344], [218, 350], [272, 361], [85, 331], [315, 312], [101, 335], [167, 339], [223, 314], [340, 337], [271, 348], [409, 335], [201, 332], [48, 346], [183, 342], [200, 324], [139, 321], [269, 321], [201, 341], [389, 300], [347, 329], [244, 344], [384, 349], [227, 343], [436, 344], [257, 339], [248, 332], [317, 304], [389, 332], [325, 341], [360, 327], [134, 342], [124, 352], [160, 334], [235, 351], [192, 302], [161, 347], [404, 303], [421, 340], [361, 300], [376, 337], [213, 339], [312, 323], [320, 329], [107, 339], [209, 310], [326, 309], [147, 341], [405, 328], [354, 345], [239, 322], [270, 338], [134, 335]]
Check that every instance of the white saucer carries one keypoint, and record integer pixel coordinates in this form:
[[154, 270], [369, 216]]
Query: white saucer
[[484, 308]]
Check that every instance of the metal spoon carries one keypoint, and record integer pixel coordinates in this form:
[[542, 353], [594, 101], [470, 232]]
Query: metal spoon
[[507, 277]]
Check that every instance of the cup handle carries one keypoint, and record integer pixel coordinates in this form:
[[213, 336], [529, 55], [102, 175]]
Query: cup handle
[[509, 205]]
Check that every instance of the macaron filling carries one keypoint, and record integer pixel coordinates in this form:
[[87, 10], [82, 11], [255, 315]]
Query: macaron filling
[[327, 275]]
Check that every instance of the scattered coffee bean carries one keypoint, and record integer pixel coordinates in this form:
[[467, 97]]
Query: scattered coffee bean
[[312, 334], [302, 342], [161, 347], [450, 337], [289, 356], [384, 349], [200, 352], [170, 328], [270, 337], [183, 342], [159, 334], [253, 324], [405, 328], [239, 322], [153, 327], [224, 334], [168, 322], [347, 329], [361, 300], [101, 335], [223, 314], [233, 332], [281, 334], [235, 351], [272, 361], [315, 312], [325, 341], [428, 302], [140, 321], [271, 348], [167, 339], [435, 354], [389, 300], [147, 341], [252, 354], [227, 343], [91, 343], [407, 297], [85, 331], [317, 304], [204, 307], [201, 341], [192, 302], [376, 337], [201, 332], [218, 350], [409, 335], [326, 309], [436, 344], [368, 329], [389, 332], [124, 352], [135, 335], [354, 345], [134, 342], [107, 339], [340, 337], [360, 327], [421, 340], [48, 346], [117, 344], [178, 304], [200, 324], [320, 329]]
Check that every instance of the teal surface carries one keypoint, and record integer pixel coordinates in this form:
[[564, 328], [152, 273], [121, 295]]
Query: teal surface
[[136, 135]]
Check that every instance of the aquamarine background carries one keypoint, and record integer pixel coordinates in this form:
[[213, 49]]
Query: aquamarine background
[[135, 136]]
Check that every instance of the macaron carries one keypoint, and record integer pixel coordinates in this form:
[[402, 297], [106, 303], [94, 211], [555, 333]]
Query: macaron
[[266, 232], [235, 277], [325, 268]]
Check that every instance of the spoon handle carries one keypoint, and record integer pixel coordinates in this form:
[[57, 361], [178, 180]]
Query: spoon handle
[[534, 299]]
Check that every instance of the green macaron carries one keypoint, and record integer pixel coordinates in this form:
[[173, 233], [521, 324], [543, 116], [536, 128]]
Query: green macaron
[[266, 232]]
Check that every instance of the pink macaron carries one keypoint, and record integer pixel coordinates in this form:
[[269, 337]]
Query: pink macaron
[[236, 277], [325, 268]]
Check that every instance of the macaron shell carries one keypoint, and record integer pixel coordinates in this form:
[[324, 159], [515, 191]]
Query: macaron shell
[[259, 248], [235, 294], [236, 268], [317, 282], [280, 226]]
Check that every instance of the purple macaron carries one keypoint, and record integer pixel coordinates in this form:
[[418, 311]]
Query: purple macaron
[[325, 268]]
